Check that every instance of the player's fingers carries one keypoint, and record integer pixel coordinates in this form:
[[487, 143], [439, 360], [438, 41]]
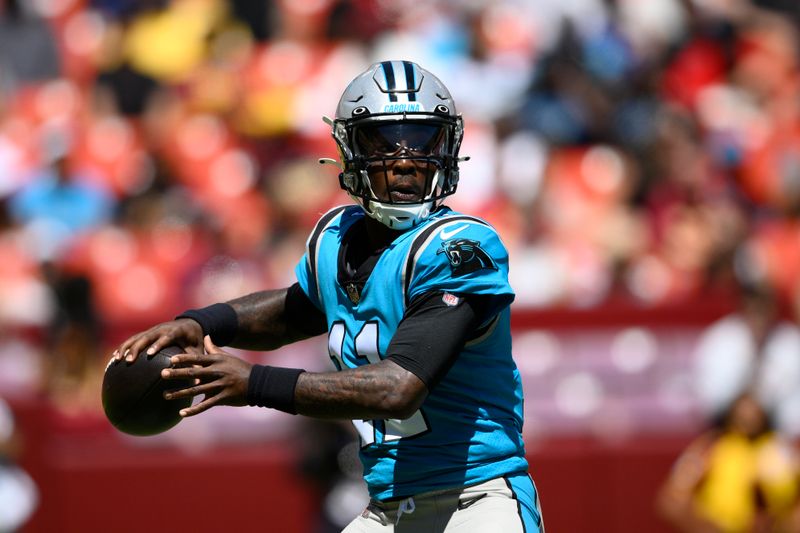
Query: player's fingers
[[125, 347], [189, 359], [126, 351], [163, 340], [119, 353], [198, 408], [210, 346], [204, 388], [139, 345], [189, 372], [184, 372]]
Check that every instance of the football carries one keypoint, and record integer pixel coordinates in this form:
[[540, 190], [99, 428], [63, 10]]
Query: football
[[133, 394]]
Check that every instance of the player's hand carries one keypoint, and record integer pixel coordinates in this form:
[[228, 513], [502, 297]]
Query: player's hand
[[223, 378], [183, 332]]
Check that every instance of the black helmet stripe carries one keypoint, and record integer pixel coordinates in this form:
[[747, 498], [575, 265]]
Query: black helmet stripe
[[410, 81], [388, 72]]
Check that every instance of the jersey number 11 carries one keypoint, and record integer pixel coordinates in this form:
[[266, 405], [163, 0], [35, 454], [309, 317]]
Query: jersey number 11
[[366, 345]]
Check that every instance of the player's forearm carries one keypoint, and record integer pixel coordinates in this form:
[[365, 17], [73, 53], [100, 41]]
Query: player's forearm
[[262, 321], [381, 390]]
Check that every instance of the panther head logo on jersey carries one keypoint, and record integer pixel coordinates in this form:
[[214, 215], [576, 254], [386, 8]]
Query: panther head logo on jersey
[[466, 256]]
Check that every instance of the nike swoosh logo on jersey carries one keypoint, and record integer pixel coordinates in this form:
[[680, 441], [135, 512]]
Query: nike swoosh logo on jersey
[[445, 235]]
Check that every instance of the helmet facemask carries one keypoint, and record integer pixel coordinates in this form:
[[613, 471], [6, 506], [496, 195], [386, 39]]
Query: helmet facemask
[[422, 146]]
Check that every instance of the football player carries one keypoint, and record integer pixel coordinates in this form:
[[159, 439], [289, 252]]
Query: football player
[[414, 298]]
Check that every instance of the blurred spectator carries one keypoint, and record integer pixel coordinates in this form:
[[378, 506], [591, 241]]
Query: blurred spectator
[[24, 298], [130, 89], [73, 343], [168, 40], [740, 477], [56, 206], [751, 349], [141, 267], [22, 366], [257, 15], [18, 493], [29, 51]]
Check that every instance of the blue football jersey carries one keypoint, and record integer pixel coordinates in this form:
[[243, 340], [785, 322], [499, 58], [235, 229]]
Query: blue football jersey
[[469, 428]]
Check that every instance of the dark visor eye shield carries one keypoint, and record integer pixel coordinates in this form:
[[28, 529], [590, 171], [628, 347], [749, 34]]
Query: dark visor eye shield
[[387, 139]]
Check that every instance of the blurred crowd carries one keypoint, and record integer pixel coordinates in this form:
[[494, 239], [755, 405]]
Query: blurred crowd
[[157, 155]]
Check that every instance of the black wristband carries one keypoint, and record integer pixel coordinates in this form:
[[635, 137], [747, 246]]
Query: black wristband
[[272, 386], [218, 320]]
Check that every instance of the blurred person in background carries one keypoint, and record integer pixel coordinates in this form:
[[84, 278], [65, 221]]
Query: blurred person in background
[[415, 299], [57, 204], [739, 477], [753, 349], [29, 48], [18, 493], [73, 332]]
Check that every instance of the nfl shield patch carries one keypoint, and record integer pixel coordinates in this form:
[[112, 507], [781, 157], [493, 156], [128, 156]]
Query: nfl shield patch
[[450, 299]]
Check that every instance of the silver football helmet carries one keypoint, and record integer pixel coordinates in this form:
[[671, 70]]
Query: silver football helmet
[[393, 111]]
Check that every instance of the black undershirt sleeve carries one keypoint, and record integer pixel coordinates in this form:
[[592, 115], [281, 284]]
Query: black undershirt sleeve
[[432, 333], [428, 339], [302, 314]]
